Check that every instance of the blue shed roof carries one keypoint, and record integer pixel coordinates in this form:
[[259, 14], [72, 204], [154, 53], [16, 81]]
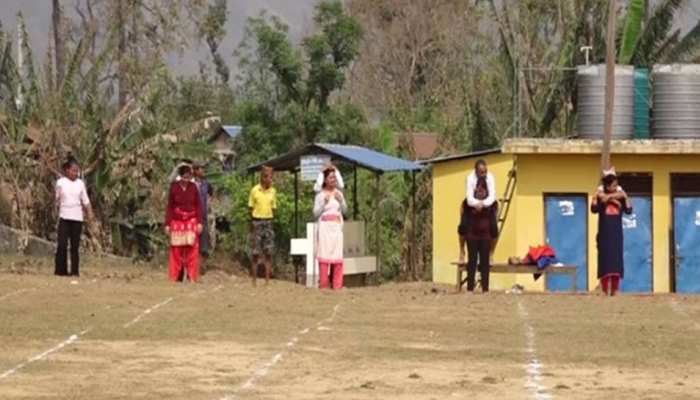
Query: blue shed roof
[[357, 155], [232, 130]]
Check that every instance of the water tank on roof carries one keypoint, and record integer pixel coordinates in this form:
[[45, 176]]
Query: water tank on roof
[[591, 102], [676, 101], [642, 103]]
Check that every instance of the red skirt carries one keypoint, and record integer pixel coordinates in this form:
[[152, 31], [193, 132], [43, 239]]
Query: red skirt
[[184, 246]]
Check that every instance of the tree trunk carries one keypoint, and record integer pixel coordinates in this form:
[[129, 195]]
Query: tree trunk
[[121, 53], [609, 85], [59, 45]]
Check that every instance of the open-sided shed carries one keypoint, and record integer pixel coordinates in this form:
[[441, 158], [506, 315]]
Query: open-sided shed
[[356, 156]]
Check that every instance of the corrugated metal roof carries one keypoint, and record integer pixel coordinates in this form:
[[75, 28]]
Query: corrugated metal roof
[[460, 156], [371, 159], [360, 156]]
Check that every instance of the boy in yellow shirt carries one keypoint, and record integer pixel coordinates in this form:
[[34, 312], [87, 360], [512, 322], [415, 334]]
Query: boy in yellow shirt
[[262, 203]]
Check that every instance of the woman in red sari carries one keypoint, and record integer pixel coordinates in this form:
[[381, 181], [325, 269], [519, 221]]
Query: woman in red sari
[[183, 223]]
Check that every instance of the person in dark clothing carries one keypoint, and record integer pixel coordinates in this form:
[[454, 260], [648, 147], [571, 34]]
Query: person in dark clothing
[[478, 230], [609, 203], [205, 193]]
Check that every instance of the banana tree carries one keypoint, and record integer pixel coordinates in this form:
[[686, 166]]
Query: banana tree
[[126, 153], [647, 37], [647, 42]]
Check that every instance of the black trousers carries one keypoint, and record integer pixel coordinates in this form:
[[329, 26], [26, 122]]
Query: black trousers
[[68, 230], [481, 250]]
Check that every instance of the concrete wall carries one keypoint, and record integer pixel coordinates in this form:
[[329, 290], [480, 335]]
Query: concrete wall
[[13, 241]]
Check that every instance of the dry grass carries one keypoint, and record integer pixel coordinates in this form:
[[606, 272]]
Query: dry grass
[[397, 341]]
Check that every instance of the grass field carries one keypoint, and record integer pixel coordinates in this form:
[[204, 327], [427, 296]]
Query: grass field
[[124, 332]]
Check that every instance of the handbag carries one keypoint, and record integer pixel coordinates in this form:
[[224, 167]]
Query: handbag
[[182, 238]]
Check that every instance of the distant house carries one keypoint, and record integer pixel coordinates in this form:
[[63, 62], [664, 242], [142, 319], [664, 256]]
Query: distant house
[[223, 141], [425, 145]]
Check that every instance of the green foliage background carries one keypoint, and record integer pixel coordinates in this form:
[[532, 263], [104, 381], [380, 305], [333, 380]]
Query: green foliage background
[[369, 73]]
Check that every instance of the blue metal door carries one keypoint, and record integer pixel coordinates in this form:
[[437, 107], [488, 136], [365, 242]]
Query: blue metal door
[[567, 233], [638, 246], [686, 226]]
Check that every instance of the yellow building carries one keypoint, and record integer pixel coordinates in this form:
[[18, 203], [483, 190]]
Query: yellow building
[[554, 180]]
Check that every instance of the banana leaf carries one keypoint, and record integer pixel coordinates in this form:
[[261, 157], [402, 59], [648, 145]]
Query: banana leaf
[[688, 48], [632, 29], [655, 32]]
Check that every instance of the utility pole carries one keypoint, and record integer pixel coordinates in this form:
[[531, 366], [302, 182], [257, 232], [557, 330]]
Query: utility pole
[[609, 84]]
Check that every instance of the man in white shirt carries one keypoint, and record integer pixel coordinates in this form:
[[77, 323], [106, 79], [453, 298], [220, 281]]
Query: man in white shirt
[[73, 204], [480, 171]]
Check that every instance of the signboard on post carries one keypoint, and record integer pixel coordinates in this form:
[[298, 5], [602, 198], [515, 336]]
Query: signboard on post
[[312, 165]]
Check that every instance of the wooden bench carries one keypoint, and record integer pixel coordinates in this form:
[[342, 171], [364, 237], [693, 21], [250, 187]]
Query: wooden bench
[[355, 260], [569, 270]]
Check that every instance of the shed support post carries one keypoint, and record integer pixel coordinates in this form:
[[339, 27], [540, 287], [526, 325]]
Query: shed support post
[[377, 224], [295, 259], [354, 193], [296, 204], [413, 225]]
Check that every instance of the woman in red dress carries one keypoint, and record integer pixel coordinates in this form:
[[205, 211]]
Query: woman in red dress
[[183, 223]]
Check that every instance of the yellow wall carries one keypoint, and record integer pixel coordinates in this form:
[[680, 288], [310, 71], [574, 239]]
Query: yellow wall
[[449, 190], [538, 175], [541, 174], [661, 167]]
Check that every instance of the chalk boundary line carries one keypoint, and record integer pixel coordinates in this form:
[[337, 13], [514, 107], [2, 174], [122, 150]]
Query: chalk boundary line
[[534, 366], [71, 339], [74, 337], [166, 301], [146, 312], [264, 369]]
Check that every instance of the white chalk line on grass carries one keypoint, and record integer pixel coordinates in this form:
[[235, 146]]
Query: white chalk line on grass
[[534, 366], [320, 325], [164, 302], [265, 368], [71, 339], [678, 309], [148, 311]]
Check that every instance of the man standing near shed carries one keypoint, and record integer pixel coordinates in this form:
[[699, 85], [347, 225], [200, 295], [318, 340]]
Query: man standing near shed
[[480, 171], [479, 246]]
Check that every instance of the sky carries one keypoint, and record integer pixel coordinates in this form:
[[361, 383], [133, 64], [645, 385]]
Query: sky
[[296, 13]]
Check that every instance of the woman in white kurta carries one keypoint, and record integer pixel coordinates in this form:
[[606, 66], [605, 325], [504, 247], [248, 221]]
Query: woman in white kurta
[[329, 207]]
